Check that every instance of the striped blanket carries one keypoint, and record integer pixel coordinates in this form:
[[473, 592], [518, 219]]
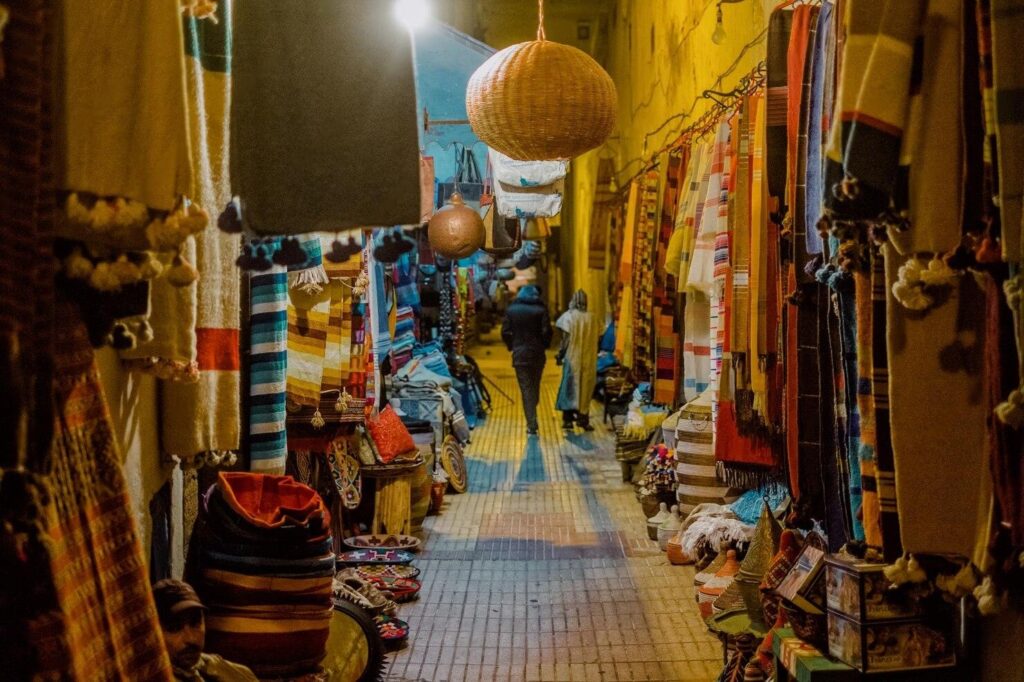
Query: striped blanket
[[268, 343], [205, 415]]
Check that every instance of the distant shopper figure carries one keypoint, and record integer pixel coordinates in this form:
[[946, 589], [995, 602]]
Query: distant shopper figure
[[578, 357], [526, 331]]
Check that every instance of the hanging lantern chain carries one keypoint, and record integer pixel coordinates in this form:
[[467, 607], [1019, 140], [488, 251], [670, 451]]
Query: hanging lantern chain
[[540, 20]]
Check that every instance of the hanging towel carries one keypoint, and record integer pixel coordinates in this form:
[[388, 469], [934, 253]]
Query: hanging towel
[[268, 346], [313, 83], [205, 416], [121, 107], [936, 360]]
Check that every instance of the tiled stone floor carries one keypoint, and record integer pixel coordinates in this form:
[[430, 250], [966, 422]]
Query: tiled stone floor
[[543, 570]]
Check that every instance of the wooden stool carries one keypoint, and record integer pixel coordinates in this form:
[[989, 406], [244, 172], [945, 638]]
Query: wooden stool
[[392, 502]]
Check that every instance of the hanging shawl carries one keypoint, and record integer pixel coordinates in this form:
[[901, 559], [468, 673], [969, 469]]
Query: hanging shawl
[[643, 276], [205, 416], [780, 25], [680, 248], [756, 336]]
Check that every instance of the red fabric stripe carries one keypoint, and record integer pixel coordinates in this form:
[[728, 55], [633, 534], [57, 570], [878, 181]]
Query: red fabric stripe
[[217, 349]]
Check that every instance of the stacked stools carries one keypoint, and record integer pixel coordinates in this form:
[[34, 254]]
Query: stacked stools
[[263, 563]]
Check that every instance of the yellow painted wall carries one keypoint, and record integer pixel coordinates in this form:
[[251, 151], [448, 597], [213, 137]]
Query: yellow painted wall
[[661, 57]]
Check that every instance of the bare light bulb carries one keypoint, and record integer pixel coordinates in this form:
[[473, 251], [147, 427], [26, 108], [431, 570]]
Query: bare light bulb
[[412, 14], [718, 37]]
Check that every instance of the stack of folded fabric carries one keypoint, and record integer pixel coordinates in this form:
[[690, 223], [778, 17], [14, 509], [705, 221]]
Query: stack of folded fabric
[[263, 566]]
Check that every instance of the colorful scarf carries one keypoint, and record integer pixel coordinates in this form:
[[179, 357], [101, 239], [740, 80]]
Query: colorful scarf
[[666, 332], [268, 365], [780, 24], [643, 276]]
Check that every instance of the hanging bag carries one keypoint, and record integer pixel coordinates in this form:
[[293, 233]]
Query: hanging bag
[[467, 181], [502, 236]]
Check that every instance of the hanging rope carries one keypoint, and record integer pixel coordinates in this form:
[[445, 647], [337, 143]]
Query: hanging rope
[[540, 20]]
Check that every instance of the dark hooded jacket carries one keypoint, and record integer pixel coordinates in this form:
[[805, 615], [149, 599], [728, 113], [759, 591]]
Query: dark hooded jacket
[[526, 329]]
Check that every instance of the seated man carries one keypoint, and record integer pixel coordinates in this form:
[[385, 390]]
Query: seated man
[[183, 621]]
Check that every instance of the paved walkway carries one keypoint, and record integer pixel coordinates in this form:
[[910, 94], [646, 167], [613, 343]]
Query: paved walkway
[[543, 570]]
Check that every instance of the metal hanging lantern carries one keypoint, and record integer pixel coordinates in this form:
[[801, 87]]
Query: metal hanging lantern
[[456, 230], [541, 100]]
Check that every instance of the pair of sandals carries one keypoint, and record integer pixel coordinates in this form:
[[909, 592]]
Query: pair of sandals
[[352, 587]]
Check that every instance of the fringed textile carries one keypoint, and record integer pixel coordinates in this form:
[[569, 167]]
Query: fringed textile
[[205, 415]]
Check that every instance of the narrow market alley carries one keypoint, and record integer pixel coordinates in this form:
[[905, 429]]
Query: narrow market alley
[[543, 569]]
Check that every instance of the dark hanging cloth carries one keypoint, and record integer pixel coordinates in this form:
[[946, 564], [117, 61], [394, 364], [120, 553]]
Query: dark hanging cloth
[[780, 24], [27, 207], [323, 117]]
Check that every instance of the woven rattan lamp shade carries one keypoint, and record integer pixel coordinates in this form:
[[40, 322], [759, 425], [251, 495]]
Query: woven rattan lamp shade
[[541, 100]]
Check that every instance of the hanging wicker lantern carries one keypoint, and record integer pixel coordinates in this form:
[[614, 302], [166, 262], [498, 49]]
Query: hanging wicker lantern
[[456, 230], [541, 100]]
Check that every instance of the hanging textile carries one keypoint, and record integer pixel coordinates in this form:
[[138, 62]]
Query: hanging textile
[[744, 458], [107, 626], [27, 212], [804, 312], [307, 350], [122, 115], [872, 104], [696, 343], [624, 341], [935, 214], [757, 334], [1007, 59], [667, 361], [268, 364], [780, 25], [938, 353], [296, 141], [204, 415], [867, 436], [645, 235]]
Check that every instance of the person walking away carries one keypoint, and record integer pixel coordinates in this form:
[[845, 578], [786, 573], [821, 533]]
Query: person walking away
[[526, 331], [578, 357]]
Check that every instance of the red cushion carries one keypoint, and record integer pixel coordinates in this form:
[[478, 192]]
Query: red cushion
[[272, 501], [390, 435]]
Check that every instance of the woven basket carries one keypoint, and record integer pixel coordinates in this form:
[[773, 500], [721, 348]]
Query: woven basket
[[541, 100]]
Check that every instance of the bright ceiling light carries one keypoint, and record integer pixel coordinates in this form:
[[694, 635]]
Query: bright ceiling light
[[412, 14]]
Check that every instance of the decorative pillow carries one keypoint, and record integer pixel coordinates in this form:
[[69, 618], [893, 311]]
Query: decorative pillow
[[390, 435]]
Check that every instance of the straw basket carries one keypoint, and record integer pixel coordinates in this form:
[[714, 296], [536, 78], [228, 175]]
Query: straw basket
[[541, 100]]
